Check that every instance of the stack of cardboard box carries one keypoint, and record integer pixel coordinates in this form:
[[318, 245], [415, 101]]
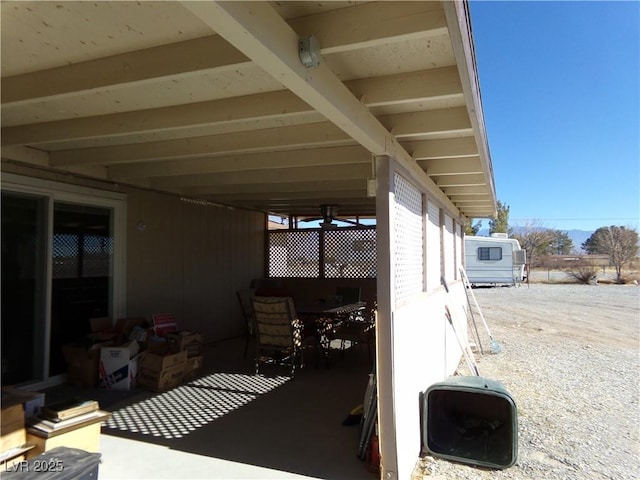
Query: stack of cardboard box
[[161, 368], [83, 356], [134, 352], [119, 366], [13, 436], [167, 365], [17, 406], [190, 342]]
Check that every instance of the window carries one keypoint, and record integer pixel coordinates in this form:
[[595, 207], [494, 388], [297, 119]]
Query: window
[[489, 253]]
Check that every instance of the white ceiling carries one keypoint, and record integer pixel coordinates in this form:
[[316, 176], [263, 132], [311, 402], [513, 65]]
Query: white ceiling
[[210, 100]]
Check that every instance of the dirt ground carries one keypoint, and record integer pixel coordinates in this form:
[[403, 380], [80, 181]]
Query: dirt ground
[[569, 358], [602, 314]]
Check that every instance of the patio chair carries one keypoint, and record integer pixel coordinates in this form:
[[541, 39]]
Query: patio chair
[[279, 333], [244, 297]]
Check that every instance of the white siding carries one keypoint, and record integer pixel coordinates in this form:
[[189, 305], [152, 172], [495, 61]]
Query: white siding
[[190, 260]]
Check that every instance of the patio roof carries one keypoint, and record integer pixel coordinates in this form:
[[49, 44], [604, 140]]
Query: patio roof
[[210, 100]]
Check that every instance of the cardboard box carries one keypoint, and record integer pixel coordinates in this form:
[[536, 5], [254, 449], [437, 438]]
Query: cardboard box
[[161, 369], [86, 436], [12, 431], [186, 341], [102, 330], [126, 325], [162, 358], [119, 367], [163, 323], [32, 402], [83, 363], [163, 380], [192, 366]]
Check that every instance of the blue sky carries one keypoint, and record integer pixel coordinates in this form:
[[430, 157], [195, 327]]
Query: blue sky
[[560, 91]]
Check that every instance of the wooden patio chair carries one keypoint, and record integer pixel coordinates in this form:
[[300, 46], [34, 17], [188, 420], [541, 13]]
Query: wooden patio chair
[[244, 297], [279, 333]]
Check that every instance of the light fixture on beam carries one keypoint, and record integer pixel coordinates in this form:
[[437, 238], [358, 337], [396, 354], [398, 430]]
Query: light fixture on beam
[[372, 187], [309, 51]]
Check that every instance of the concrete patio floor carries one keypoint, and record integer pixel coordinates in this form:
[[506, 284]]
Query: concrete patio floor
[[231, 424]]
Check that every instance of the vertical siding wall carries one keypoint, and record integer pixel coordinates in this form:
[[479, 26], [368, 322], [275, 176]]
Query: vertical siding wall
[[189, 259], [418, 337]]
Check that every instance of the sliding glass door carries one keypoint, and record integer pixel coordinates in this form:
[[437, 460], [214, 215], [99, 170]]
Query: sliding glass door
[[23, 287], [82, 252], [62, 264]]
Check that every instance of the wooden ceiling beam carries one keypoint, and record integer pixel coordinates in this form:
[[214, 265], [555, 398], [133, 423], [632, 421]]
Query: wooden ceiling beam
[[296, 136], [442, 148], [291, 189], [269, 139], [267, 175], [238, 163], [451, 166], [460, 180], [369, 26], [238, 113], [257, 30], [440, 121]]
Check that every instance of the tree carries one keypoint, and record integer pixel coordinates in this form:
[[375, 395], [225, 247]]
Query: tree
[[472, 229], [500, 223], [561, 243], [534, 238], [620, 243]]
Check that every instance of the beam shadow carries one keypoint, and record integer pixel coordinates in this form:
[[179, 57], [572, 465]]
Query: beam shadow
[[267, 421]]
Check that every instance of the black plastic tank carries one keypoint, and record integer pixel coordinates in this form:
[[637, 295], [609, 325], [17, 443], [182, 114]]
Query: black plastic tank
[[471, 420]]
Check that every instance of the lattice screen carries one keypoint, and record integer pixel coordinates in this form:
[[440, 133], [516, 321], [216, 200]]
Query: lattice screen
[[459, 235], [448, 249], [65, 256], [350, 254], [97, 256], [81, 256], [409, 259], [343, 253], [433, 246], [294, 254]]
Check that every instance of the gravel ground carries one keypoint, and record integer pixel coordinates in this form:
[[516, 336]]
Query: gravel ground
[[570, 359]]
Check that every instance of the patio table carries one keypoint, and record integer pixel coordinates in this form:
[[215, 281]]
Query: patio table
[[321, 318]]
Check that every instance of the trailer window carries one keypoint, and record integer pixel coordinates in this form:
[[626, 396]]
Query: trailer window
[[489, 253]]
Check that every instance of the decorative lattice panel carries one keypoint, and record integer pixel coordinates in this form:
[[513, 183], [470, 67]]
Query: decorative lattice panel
[[433, 246], [458, 244], [448, 248], [350, 254], [76, 256], [96, 257], [408, 240], [294, 254], [65, 256]]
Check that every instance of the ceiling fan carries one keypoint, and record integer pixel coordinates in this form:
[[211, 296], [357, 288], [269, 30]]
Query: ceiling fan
[[329, 214]]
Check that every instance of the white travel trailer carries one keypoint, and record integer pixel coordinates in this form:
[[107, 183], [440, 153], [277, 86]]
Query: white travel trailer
[[496, 260]]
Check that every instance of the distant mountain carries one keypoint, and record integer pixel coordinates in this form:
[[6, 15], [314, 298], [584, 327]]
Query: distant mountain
[[578, 237]]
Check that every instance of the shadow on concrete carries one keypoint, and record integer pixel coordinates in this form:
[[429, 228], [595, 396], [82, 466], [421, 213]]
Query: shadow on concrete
[[267, 420]]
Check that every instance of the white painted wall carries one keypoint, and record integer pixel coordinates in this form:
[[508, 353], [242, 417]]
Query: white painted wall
[[416, 345], [425, 352]]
